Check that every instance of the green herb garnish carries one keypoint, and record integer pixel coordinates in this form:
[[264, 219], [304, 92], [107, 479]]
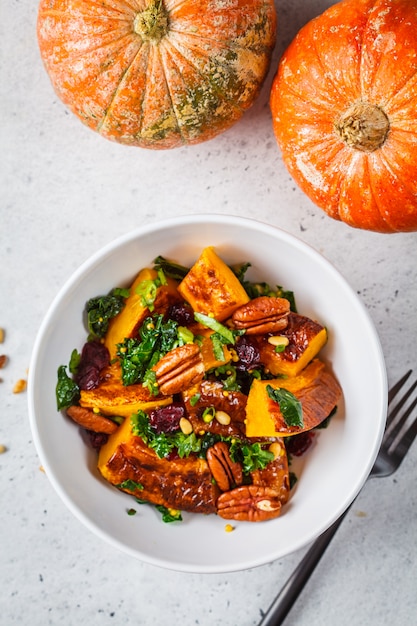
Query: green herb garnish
[[290, 407], [130, 485], [227, 374], [195, 398], [213, 324], [169, 515], [147, 289], [252, 456], [218, 342]]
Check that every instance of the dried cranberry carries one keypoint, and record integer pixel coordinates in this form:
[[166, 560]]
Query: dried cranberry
[[166, 419], [95, 352], [97, 440], [248, 353], [172, 455], [298, 444], [181, 313], [94, 357]]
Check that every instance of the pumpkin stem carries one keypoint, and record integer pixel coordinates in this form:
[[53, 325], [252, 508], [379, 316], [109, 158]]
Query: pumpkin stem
[[363, 126], [152, 23]]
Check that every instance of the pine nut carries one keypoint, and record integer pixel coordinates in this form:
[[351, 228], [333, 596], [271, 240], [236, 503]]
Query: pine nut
[[186, 426], [278, 340], [223, 418], [276, 449]]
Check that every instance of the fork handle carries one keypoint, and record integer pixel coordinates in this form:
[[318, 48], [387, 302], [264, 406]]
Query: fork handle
[[289, 593]]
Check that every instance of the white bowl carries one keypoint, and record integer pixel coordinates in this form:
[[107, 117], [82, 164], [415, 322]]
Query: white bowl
[[332, 472]]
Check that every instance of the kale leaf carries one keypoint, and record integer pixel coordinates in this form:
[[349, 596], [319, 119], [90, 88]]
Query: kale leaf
[[254, 289], [173, 270], [138, 356], [102, 309], [67, 391]]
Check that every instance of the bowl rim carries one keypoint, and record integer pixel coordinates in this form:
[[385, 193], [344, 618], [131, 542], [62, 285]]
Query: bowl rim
[[98, 257]]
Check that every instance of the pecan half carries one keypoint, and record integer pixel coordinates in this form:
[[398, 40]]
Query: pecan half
[[226, 473], [249, 503], [262, 315], [179, 369], [91, 421]]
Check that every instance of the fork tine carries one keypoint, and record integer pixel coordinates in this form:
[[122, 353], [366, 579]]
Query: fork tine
[[408, 437], [392, 395], [405, 443], [398, 385], [392, 429]]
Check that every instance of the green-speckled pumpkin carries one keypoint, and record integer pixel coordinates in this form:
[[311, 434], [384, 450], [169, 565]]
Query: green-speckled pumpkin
[[157, 73]]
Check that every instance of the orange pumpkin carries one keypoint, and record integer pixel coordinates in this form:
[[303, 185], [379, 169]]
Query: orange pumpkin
[[157, 73], [344, 108]]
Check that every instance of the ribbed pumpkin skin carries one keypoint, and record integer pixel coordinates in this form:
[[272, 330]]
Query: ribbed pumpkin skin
[[192, 84], [357, 51]]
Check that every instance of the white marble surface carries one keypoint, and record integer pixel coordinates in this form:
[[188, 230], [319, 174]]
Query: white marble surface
[[64, 193]]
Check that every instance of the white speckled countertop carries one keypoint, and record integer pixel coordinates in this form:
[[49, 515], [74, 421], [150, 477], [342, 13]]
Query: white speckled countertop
[[65, 192]]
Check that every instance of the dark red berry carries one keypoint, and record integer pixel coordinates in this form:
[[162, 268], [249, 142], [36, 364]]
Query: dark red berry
[[248, 353], [97, 440], [166, 419], [94, 357], [182, 314], [298, 444]]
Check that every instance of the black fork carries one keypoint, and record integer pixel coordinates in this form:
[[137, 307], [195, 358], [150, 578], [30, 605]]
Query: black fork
[[395, 444]]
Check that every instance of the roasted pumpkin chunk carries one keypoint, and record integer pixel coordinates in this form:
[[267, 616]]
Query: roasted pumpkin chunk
[[305, 340], [185, 484], [211, 287], [111, 397], [315, 388], [132, 316]]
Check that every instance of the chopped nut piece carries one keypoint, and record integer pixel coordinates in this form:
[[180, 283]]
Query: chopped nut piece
[[3, 360], [20, 386], [2, 333], [2, 448]]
